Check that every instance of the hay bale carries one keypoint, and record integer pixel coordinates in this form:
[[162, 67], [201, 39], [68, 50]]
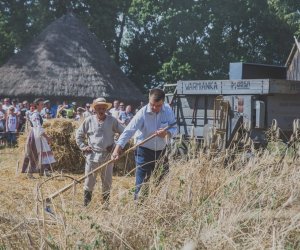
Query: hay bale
[[69, 157]]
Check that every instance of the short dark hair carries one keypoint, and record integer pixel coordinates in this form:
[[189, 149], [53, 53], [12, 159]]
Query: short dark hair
[[157, 94]]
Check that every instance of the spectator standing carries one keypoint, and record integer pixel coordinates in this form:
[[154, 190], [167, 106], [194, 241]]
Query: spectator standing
[[61, 110], [79, 114], [22, 117], [126, 116], [121, 112], [88, 112], [115, 110], [54, 108], [46, 111], [71, 110], [26, 105], [16, 106], [6, 104], [11, 126]]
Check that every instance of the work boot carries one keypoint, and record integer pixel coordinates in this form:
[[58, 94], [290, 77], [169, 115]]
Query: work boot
[[87, 197]]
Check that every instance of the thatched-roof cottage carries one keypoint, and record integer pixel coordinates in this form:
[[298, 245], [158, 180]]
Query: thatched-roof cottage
[[66, 61], [293, 62]]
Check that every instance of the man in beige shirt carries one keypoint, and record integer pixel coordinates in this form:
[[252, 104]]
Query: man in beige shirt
[[99, 129]]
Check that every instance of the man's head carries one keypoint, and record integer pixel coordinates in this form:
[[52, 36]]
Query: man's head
[[116, 104], [100, 106], [26, 104], [122, 106], [156, 99]]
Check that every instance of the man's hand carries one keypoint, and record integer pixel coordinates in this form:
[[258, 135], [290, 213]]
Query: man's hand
[[161, 133], [116, 153], [114, 156]]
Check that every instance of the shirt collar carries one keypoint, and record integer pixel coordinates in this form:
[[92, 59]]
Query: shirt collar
[[148, 108]]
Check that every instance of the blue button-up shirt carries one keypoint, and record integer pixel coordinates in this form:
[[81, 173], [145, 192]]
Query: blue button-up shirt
[[145, 123]]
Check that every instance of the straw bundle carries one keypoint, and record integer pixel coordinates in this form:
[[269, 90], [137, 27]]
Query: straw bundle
[[67, 154], [66, 151]]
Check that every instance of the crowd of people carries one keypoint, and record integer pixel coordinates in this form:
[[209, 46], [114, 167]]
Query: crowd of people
[[15, 115]]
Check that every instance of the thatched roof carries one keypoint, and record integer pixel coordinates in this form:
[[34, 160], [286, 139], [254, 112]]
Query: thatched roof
[[293, 62], [66, 60]]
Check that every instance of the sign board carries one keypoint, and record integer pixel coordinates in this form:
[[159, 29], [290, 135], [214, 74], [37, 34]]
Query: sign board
[[238, 87], [199, 87]]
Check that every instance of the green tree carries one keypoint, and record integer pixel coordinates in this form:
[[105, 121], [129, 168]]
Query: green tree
[[157, 41], [22, 20], [6, 41], [14, 27], [174, 40]]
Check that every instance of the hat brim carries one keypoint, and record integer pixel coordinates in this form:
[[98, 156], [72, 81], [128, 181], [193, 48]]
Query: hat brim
[[107, 104]]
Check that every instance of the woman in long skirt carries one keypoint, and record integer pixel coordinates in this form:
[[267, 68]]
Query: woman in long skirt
[[37, 152]]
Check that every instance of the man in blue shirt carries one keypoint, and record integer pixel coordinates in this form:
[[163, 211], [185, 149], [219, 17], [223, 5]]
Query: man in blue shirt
[[150, 119]]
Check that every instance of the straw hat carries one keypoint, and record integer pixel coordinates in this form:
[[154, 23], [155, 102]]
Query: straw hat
[[101, 101]]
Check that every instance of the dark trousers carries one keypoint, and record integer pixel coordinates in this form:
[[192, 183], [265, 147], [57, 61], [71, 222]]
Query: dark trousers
[[11, 138], [147, 161]]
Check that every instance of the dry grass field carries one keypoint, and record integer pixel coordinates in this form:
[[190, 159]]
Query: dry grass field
[[232, 201]]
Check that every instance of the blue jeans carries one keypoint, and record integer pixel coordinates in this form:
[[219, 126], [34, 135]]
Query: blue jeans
[[146, 162], [11, 137]]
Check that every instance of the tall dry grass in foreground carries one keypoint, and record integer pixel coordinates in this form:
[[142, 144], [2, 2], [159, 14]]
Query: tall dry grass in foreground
[[251, 203]]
